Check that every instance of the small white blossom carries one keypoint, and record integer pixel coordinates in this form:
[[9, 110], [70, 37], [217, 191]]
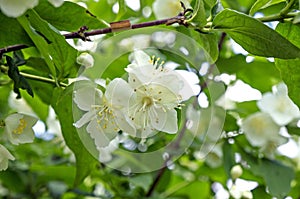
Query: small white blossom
[[18, 128], [104, 114], [278, 104], [156, 95], [5, 155], [86, 60], [168, 8], [261, 131]]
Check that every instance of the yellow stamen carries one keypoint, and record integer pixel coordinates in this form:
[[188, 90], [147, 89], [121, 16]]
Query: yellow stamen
[[22, 125]]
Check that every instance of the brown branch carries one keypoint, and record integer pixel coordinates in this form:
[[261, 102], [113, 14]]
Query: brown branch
[[82, 34]]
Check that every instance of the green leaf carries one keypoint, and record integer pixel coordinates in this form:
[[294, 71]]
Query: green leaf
[[230, 123], [246, 108], [62, 104], [229, 159], [43, 90], [12, 33], [56, 172], [277, 176], [260, 192], [261, 4], [19, 80], [4, 95], [199, 13], [63, 17], [290, 69], [254, 36], [260, 73], [58, 54], [209, 42]]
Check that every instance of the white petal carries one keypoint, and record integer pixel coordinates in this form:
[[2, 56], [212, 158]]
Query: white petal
[[87, 117], [5, 155], [86, 97], [165, 120], [102, 138], [124, 123], [259, 128], [105, 153], [118, 93], [140, 74], [56, 3], [85, 59], [281, 89], [281, 108], [12, 122], [15, 8], [139, 58]]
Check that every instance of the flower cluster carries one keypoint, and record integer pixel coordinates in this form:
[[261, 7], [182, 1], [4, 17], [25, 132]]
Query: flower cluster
[[139, 107], [262, 129], [18, 130]]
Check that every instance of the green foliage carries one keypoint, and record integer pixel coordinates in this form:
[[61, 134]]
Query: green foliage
[[42, 74], [58, 54], [62, 104], [259, 73], [12, 32], [261, 4], [254, 36], [63, 18], [272, 172], [289, 69]]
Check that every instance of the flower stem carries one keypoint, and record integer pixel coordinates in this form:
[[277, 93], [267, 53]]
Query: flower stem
[[36, 77]]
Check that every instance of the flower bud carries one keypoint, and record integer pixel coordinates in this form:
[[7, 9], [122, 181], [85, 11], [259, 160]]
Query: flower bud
[[86, 60], [236, 172]]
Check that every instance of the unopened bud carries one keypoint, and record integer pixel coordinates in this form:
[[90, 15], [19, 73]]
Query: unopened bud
[[236, 172], [86, 60]]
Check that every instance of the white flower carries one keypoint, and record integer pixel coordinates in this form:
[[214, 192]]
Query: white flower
[[168, 8], [15, 8], [278, 104], [104, 114], [18, 128], [261, 131], [5, 155], [85, 59], [156, 95]]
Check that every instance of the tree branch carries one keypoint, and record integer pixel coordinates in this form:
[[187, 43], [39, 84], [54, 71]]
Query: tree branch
[[82, 34]]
